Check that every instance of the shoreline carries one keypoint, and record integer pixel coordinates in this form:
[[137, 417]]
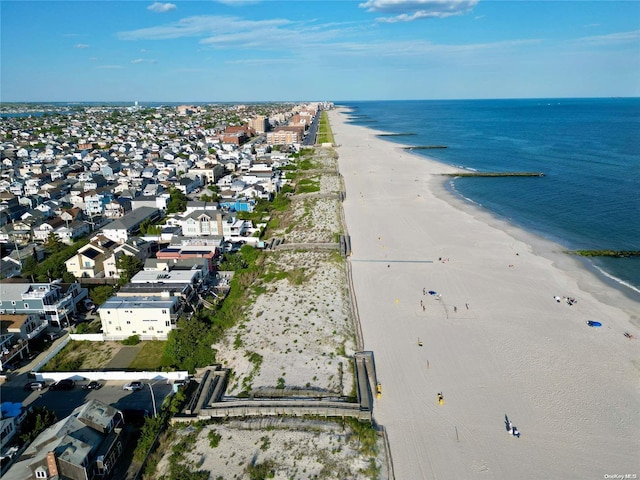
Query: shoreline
[[608, 278], [590, 278], [547, 246], [496, 342]]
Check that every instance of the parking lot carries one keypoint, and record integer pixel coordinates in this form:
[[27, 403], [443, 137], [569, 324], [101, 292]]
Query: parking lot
[[112, 393]]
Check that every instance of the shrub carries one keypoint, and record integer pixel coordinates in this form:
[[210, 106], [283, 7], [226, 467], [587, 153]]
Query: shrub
[[214, 439], [132, 340]]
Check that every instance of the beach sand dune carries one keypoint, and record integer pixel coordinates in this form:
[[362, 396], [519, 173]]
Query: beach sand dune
[[495, 341]]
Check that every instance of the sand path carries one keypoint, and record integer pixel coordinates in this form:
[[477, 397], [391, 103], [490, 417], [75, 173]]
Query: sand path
[[495, 343]]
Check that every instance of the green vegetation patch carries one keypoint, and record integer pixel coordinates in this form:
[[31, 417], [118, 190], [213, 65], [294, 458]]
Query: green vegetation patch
[[297, 276], [150, 356], [261, 471], [83, 355], [308, 185], [325, 134]]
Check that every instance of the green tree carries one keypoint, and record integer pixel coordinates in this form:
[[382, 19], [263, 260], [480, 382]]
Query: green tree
[[128, 266], [30, 267], [101, 294], [177, 201], [53, 244], [144, 226], [68, 277], [189, 346], [37, 420]]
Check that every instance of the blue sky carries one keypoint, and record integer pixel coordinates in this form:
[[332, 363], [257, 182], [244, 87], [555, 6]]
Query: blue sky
[[241, 50]]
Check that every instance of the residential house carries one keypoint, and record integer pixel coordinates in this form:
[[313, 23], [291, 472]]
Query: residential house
[[209, 174], [95, 182], [117, 208], [189, 248], [193, 205], [86, 445], [180, 279], [13, 208], [73, 231], [202, 223], [187, 185], [88, 262], [11, 416], [123, 228], [9, 267], [18, 233], [151, 201], [134, 246], [51, 225], [52, 302], [15, 332], [95, 202]]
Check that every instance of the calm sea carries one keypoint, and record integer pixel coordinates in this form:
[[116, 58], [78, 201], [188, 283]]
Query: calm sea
[[588, 149]]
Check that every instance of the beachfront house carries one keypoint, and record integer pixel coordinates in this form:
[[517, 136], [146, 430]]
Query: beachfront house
[[150, 317]]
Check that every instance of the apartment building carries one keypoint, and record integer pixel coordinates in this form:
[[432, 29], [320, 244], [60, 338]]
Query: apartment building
[[149, 317], [285, 135]]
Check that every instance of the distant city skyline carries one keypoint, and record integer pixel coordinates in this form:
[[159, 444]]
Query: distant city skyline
[[254, 51]]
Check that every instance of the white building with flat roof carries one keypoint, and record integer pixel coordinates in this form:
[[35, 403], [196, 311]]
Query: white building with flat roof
[[149, 317]]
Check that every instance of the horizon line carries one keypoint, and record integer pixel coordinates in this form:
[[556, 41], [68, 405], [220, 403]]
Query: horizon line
[[307, 101]]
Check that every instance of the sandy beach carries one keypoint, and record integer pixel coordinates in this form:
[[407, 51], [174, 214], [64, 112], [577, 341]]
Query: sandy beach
[[495, 341]]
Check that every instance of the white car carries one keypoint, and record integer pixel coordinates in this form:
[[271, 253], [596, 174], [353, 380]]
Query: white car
[[133, 386]]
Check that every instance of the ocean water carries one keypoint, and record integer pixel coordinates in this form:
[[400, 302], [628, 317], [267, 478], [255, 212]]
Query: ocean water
[[588, 149]]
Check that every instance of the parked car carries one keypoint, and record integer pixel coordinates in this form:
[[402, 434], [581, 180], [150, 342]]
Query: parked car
[[133, 386], [65, 384], [34, 386], [93, 385]]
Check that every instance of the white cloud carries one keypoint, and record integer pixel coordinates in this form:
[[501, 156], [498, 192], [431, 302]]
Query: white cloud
[[198, 26], [611, 39], [410, 10], [81, 45], [420, 48], [142, 60], [158, 7]]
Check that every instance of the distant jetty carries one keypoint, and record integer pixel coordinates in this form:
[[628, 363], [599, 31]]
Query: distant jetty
[[605, 253], [495, 174], [402, 134], [424, 147]]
